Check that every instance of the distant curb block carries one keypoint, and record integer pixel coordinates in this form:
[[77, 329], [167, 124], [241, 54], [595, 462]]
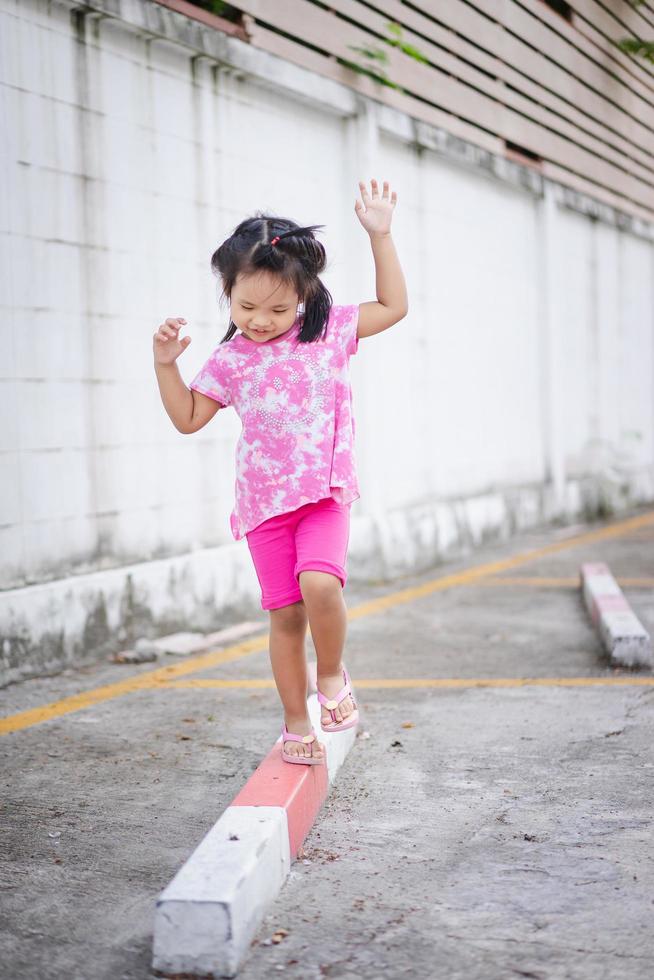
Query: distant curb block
[[207, 916], [622, 634]]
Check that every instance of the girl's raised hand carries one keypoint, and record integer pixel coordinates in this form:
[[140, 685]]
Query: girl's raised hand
[[376, 212], [166, 343]]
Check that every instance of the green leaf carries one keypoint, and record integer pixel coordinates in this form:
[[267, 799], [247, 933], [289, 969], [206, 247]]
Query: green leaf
[[633, 45]]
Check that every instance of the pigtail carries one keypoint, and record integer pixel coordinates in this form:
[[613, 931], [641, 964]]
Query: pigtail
[[231, 330], [302, 245], [317, 307]]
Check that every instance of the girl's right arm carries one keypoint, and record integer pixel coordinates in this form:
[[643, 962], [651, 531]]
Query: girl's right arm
[[188, 410]]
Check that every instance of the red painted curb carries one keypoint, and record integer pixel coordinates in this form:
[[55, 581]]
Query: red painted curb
[[298, 789]]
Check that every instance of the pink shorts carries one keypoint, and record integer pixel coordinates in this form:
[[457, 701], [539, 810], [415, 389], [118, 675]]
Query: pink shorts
[[315, 536]]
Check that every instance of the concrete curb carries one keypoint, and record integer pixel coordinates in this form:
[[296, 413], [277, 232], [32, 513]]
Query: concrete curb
[[206, 917], [622, 634]]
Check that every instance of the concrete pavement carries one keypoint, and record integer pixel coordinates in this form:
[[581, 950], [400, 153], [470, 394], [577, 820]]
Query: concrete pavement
[[485, 828]]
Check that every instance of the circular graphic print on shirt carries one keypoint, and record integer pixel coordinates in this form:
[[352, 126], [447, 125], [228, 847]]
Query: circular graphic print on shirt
[[289, 392]]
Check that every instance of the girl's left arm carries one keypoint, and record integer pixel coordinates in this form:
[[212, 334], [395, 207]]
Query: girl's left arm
[[392, 300]]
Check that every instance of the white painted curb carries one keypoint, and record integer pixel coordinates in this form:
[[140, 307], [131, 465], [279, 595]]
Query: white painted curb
[[206, 918], [208, 914], [625, 639]]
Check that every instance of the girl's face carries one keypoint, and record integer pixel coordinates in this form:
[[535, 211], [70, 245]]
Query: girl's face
[[262, 306]]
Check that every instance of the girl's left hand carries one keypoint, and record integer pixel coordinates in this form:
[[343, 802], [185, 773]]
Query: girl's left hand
[[376, 212]]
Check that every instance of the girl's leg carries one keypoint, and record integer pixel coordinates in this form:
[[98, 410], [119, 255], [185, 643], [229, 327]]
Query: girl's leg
[[321, 539], [288, 629], [323, 598], [272, 546]]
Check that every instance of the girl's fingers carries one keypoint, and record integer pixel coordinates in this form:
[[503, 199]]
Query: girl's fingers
[[375, 191], [173, 325], [170, 329]]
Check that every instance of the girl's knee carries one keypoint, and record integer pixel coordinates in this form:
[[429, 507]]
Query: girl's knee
[[291, 618], [320, 586]]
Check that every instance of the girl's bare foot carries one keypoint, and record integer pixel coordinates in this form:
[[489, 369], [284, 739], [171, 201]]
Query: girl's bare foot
[[302, 726], [330, 685]]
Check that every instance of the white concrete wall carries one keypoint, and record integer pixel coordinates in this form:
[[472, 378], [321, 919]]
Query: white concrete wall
[[520, 388]]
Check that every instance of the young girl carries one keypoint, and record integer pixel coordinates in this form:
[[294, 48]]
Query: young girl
[[286, 375]]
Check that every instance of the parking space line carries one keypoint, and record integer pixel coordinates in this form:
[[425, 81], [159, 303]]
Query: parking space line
[[153, 678], [416, 682], [143, 681], [488, 568], [570, 582]]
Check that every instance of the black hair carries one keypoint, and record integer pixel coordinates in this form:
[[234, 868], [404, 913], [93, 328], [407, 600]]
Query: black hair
[[297, 259]]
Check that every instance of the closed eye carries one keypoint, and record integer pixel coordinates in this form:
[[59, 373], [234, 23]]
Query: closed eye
[[282, 310]]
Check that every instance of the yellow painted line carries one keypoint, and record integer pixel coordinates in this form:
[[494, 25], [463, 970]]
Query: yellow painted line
[[508, 682], [489, 568], [144, 681], [214, 682], [413, 682], [572, 583], [152, 678]]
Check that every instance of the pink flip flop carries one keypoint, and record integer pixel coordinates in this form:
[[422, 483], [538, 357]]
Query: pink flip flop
[[331, 703], [307, 739]]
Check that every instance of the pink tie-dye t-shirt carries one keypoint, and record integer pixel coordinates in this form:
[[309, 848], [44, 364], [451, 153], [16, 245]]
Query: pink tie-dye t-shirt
[[294, 401]]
